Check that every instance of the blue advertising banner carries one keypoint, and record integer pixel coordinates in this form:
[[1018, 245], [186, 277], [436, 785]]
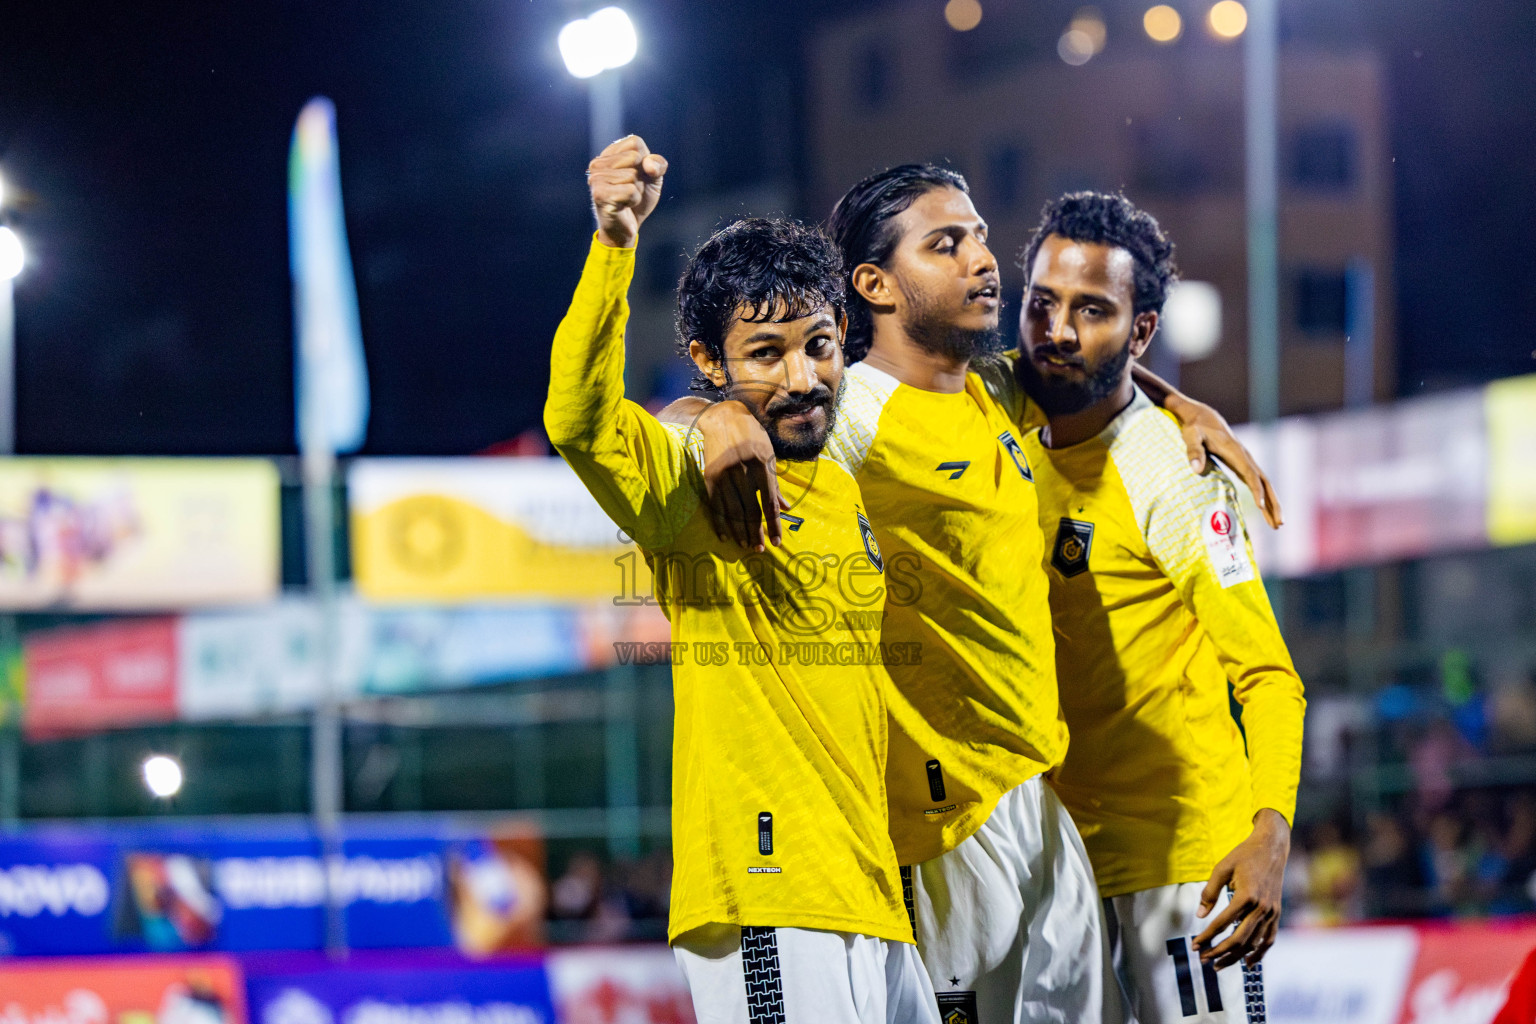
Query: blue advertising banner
[[420, 989], [56, 893], [175, 889]]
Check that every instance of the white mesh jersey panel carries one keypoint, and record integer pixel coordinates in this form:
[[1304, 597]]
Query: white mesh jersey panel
[[1169, 499], [865, 392]]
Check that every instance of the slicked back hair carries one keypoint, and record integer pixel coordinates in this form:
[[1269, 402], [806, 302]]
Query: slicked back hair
[[1108, 218], [861, 225], [757, 270]]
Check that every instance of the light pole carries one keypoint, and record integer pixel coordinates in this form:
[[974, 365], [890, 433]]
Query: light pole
[[12, 258], [1261, 103], [594, 48], [1261, 119]]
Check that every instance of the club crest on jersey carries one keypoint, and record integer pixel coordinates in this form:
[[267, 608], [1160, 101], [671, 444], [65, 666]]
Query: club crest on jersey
[[1016, 450], [870, 547], [1074, 542], [958, 1007]]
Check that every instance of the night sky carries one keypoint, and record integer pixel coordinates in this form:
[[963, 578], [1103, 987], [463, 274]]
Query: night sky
[[145, 151]]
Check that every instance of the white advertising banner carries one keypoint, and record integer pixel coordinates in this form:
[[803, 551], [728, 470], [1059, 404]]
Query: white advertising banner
[[267, 661], [1339, 976]]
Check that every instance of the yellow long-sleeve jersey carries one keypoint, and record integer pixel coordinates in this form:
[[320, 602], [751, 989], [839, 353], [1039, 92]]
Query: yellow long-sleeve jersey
[[1157, 605], [778, 796], [952, 500]]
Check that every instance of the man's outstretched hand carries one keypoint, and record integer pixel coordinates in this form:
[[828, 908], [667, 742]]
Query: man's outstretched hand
[[625, 181], [1255, 871]]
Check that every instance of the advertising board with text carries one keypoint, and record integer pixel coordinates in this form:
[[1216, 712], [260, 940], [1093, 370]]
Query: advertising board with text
[[484, 528], [98, 890], [123, 990], [101, 675], [397, 989], [137, 534]]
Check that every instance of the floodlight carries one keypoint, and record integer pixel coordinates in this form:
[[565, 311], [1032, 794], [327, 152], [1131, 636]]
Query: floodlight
[[602, 40], [162, 775], [1228, 19], [12, 256], [1075, 47], [1090, 21], [1162, 23], [962, 15], [1192, 319]]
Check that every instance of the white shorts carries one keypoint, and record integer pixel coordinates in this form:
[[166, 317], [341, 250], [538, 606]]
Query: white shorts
[[802, 976], [1153, 934], [1010, 924]]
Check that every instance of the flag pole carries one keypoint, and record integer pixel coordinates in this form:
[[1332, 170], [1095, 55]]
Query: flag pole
[[326, 780], [332, 407]]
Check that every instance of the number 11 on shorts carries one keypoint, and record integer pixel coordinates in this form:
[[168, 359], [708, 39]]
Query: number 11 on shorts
[[1178, 948]]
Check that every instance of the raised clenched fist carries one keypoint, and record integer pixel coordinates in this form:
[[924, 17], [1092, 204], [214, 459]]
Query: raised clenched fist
[[625, 181]]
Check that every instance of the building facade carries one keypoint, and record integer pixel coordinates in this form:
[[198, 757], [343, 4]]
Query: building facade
[[1164, 124]]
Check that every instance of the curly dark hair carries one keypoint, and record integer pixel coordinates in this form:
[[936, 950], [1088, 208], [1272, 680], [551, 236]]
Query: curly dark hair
[[861, 226], [752, 270], [1108, 218]]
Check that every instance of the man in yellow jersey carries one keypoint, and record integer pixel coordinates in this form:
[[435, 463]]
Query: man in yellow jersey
[[786, 902], [1157, 605], [1006, 909]]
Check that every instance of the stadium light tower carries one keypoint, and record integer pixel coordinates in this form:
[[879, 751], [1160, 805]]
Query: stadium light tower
[[594, 48], [13, 258]]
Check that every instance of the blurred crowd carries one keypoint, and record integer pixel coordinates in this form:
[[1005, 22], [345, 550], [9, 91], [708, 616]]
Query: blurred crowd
[[623, 900], [1445, 824], [1449, 827], [1473, 857]]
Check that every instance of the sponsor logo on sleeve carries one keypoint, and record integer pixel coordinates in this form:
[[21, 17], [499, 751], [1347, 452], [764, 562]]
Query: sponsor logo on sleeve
[[1226, 547]]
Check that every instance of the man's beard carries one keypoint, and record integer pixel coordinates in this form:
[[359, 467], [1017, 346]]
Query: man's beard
[[933, 331], [1060, 397], [805, 443]]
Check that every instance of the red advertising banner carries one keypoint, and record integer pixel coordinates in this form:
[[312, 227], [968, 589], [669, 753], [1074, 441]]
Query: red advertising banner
[[1463, 972], [140, 990], [100, 676], [618, 986], [1401, 481]]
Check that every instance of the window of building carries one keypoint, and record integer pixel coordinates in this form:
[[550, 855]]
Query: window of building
[[1195, 151], [1322, 302], [1323, 157], [1007, 177], [1010, 35], [874, 80]]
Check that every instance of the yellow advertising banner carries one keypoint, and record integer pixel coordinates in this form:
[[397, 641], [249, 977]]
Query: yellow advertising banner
[[137, 534], [1511, 410], [485, 528]]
